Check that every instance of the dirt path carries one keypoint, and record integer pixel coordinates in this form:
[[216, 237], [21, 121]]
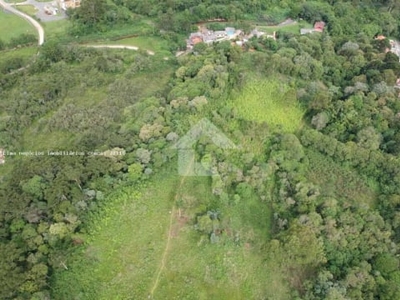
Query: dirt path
[[31, 20], [170, 229], [119, 47], [286, 22]]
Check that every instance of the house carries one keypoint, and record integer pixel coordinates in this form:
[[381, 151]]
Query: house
[[208, 36], [2, 156], [306, 30], [397, 85], [229, 34], [220, 34], [256, 33], [273, 36], [394, 47], [318, 27], [65, 4], [194, 39]]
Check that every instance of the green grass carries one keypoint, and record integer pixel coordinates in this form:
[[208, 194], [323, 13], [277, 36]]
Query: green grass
[[127, 243], [270, 102], [149, 43], [141, 27], [55, 29], [12, 26], [28, 9]]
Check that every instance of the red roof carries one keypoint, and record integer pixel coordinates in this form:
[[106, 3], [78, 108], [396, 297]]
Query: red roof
[[319, 26], [196, 39]]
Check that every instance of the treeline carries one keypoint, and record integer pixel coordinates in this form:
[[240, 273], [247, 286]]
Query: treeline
[[370, 163], [174, 18], [342, 17], [346, 246]]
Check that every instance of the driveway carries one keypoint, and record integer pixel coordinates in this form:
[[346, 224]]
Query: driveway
[[40, 6], [31, 20]]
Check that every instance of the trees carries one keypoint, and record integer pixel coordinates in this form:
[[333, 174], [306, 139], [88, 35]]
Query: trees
[[91, 12], [12, 274], [368, 138]]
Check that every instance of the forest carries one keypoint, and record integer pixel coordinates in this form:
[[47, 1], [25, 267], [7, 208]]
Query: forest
[[305, 206]]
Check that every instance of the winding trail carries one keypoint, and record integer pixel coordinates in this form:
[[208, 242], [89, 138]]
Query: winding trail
[[39, 28], [118, 47], [167, 246]]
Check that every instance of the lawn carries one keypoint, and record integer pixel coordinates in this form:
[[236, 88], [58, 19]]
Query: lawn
[[271, 102], [144, 244], [28, 9], [12, 26], [55, 29]]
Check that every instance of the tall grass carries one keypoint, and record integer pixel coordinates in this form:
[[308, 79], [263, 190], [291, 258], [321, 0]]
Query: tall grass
[[271, 102], [126, 242]]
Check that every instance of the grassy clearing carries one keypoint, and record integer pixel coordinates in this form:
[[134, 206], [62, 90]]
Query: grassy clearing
[[141, 28], [12, 26], [341, 183], [270, 102], [127, 242], [55, 29], [28, 9]]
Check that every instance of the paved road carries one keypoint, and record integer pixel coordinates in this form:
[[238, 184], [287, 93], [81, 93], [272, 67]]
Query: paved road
[[31, 20], [119, 47]]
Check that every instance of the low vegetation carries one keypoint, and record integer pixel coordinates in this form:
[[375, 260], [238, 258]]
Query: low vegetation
[[189, 266], [271, 102]]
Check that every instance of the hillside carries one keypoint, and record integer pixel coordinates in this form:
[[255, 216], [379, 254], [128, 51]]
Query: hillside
[[267, 169]]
